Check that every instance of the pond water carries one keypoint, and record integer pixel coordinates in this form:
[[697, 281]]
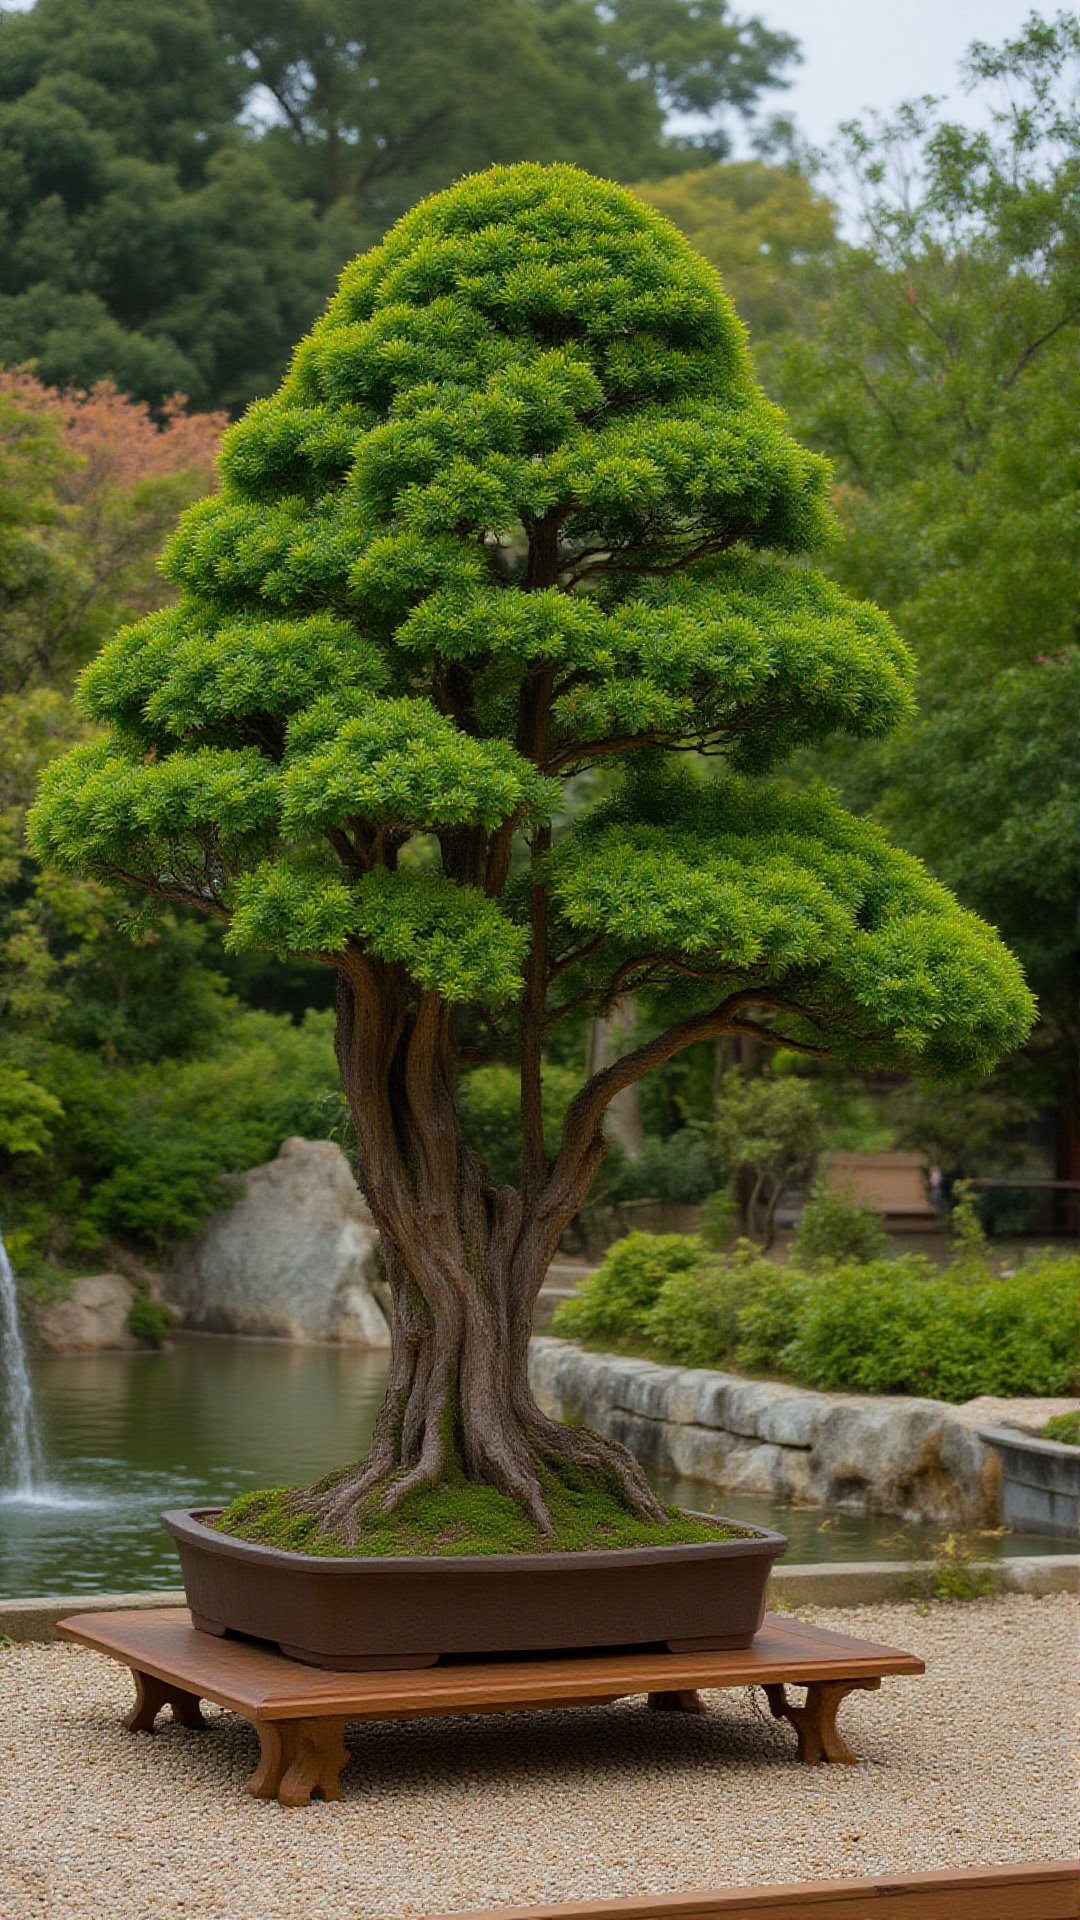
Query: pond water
[[125, 1435]]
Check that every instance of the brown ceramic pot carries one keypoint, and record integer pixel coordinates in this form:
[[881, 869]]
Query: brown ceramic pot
[[367, 1613]]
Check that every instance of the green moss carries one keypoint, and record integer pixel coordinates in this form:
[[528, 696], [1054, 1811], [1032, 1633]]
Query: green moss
[[150, 1319], [1064, 1427], [457, 1517]]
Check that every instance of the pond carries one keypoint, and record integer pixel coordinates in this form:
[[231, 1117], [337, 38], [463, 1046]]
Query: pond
[[128, 1434]]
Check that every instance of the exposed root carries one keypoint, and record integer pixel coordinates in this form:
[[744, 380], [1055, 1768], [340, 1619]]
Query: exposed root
[[337, 1510], [596, 1453], [507, 1445], [427, 1472]]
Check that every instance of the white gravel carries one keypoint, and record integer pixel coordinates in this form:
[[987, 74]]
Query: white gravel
[[969, 1766]]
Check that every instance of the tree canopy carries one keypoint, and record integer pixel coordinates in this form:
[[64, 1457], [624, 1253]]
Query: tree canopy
[[372, 106], [179, 185], [145, 240], [767, 229], [943, 379], [519, 508]]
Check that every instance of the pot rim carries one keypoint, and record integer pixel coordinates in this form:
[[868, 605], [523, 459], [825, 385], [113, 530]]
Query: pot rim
[[186, 1524]]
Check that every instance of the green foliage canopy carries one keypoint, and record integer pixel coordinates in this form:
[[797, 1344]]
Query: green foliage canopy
[[374, 105], [519, 509], [944, 381], [145, 238], [179, 183]]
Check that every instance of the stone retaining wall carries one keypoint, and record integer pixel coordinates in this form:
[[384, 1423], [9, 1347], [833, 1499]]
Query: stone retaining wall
[[914, 1458]]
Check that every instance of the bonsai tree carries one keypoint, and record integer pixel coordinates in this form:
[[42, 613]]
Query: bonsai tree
[[518, 511]]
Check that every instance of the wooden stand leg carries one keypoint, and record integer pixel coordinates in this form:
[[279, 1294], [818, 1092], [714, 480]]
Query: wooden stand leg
[[316, 1753], [274, 1757], [815, 1722], [151, 1694], [685, 1700]]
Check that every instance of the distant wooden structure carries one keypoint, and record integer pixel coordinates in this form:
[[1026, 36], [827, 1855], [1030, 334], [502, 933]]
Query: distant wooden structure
[[893, 1184]]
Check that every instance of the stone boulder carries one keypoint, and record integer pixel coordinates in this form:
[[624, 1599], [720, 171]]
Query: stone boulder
[[92, 1318], [293, 1256]]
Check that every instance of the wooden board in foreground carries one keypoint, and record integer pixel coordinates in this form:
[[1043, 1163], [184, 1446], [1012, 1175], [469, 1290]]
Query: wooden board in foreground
[[1035, 1890]]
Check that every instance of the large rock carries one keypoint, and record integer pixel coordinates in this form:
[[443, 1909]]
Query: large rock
[[92, 1318], [912, 1457], [294, 1255]]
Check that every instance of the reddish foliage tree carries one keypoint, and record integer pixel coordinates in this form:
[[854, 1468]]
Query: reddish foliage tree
[[101, 481]]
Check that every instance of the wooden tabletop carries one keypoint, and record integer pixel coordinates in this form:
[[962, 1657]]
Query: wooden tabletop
[[261, 1683]]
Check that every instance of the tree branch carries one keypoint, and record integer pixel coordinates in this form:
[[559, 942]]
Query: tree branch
[[1034, 345], [582, 1140]]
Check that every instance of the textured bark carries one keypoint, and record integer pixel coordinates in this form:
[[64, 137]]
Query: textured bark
[[464, 1260]]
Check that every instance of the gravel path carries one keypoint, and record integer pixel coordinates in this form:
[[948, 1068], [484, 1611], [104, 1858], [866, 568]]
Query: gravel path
[[970, 1766]]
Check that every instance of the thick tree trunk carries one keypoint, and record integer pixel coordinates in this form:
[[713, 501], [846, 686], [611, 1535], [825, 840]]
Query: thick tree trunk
[[464, 1264]]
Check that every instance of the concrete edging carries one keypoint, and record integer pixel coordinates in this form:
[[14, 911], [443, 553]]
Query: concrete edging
[[849, 1583]]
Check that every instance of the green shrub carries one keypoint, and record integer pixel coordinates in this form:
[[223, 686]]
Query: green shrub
[[615, 1301], [971, 1248], [1064, 1427], [142, 1149], [189, 1123], [770, 1315], [677, 1170], [883, 1326], [150, 1319], [904, 1326], [696, 1317], [28, 1113], [719, 1218], [836, 1230]]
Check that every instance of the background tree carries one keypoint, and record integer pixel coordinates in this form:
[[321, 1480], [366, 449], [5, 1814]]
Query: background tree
[[131, 1079], [768, 230], [766, 1136], [180, 185], [92, 485], [519, 509], [945, 382], [371, 106], [145, 239]]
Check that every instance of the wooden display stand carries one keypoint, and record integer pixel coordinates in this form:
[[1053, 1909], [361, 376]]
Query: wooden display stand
[[300, 1713]]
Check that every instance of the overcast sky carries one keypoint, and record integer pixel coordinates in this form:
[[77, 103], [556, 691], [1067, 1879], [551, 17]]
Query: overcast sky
[[874, 53]]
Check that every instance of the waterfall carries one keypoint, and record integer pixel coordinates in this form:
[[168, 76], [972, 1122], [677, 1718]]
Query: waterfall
[[22, 1447]]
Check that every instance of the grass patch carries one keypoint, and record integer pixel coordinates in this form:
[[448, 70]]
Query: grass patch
[[458, 1517], [1064, 1427]]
